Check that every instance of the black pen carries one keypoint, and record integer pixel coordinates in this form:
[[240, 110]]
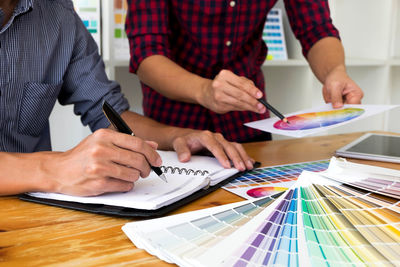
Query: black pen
[[115, 119], [273, 110]]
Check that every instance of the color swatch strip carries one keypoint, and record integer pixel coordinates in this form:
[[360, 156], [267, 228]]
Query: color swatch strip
[[266, 181]]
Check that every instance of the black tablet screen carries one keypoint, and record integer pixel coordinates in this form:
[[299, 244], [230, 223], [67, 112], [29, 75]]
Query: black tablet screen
[[378, 144]]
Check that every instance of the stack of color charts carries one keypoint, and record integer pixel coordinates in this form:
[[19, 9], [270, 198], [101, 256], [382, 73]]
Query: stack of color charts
[[347, 215]]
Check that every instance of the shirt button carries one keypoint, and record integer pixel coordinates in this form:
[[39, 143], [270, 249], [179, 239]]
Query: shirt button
[[228, 43], [232, 3]]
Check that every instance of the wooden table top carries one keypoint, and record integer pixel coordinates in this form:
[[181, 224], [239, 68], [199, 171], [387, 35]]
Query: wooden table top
[[37, 235]]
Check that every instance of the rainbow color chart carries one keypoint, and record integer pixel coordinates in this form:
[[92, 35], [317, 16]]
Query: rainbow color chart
[[318, 119], [319, 221], [267, 181]]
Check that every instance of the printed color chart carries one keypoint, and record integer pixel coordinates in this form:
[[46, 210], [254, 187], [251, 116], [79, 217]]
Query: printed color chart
[[319, 221], [267, 181], [89, 12], [121, 43], [318, 119], [273, 35]]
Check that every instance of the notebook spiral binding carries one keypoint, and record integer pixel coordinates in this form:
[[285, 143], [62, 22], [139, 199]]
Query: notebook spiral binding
[[172, 170]]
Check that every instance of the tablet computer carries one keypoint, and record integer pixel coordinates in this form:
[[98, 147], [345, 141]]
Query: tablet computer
[[373, 146]]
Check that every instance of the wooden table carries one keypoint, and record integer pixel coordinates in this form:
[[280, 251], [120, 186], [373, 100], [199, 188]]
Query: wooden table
[[37, 235]]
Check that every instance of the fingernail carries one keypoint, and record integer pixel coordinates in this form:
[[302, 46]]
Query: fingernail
[[242, 167], [250, 164], [159, 161], [227, 164], [259, 94]]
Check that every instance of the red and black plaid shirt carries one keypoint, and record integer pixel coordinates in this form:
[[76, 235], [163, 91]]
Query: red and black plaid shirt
[[206, 36]]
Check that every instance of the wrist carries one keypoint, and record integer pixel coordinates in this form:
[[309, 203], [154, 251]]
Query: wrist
[[201, 94]]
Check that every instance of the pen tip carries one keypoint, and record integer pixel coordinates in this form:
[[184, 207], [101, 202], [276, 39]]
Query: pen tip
[[163, 177], [285, 120]]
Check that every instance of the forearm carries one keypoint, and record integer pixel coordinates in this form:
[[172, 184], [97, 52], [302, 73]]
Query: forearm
[[24, 172], [152, 130], [326, 55], [171, 80]]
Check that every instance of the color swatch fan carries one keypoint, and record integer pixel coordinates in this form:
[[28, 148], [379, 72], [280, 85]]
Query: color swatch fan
[[319, 221]]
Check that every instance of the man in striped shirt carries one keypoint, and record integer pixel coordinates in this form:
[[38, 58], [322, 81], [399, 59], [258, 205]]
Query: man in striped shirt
[[47, 54]]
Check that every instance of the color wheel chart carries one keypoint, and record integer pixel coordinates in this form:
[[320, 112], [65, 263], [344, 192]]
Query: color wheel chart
[[267, 181], [89, 12], [318, 119]]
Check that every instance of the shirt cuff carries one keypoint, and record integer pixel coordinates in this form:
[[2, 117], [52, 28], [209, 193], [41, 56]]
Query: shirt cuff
[[315, 34], [145, 46]]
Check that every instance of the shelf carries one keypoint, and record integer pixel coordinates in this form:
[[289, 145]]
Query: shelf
[[286, 63], [395, 62]]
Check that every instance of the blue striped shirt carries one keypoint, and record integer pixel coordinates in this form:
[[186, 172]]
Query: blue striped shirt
[[46, 54]]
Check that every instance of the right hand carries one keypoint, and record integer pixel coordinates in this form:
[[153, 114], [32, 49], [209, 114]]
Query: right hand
[[105, 161], [229, 92]]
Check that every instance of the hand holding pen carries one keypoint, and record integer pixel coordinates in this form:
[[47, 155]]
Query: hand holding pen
[[116, 120]]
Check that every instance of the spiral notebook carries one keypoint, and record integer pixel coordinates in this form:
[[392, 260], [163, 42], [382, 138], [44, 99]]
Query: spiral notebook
[[150, 195]]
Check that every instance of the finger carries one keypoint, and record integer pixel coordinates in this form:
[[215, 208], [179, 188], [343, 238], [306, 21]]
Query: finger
[[234, 99], [326, 94], [182, 149], [208, 140], [124, 173], [232, 153], [249, 162], [243, 83], [137, 145], [353, 96], [335, 91], [131, 160], [153, 144]]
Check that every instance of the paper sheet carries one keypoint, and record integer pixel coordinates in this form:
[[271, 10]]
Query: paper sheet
[[317, 119]]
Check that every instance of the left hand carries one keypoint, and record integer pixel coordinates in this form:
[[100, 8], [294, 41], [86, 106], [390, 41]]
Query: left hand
[[225, 151], [340, 89]]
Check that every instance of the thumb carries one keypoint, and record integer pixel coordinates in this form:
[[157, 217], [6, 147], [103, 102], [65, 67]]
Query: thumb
[[182, 149]]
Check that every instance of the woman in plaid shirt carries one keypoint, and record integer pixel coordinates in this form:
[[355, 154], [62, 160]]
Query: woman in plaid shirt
[[200, 60]]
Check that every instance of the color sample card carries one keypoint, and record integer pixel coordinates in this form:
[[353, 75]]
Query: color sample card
[[194, 234], [318, 119], [273, 35], [319, 221], [89, 12], [268, 181], [120, 40]]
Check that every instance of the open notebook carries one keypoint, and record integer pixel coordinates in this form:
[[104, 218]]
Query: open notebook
[[186, 181]]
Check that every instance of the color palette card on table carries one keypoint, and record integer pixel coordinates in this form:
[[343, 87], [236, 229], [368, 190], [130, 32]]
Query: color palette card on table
[[268, 181], [319, 221], [318, 119]]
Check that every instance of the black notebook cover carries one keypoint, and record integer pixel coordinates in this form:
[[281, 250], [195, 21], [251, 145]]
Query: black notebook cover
[[130, 212]]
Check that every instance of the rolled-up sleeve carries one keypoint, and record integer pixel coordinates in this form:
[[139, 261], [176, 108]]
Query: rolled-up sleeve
[[147, 30], [310, 21], [86, 84]]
